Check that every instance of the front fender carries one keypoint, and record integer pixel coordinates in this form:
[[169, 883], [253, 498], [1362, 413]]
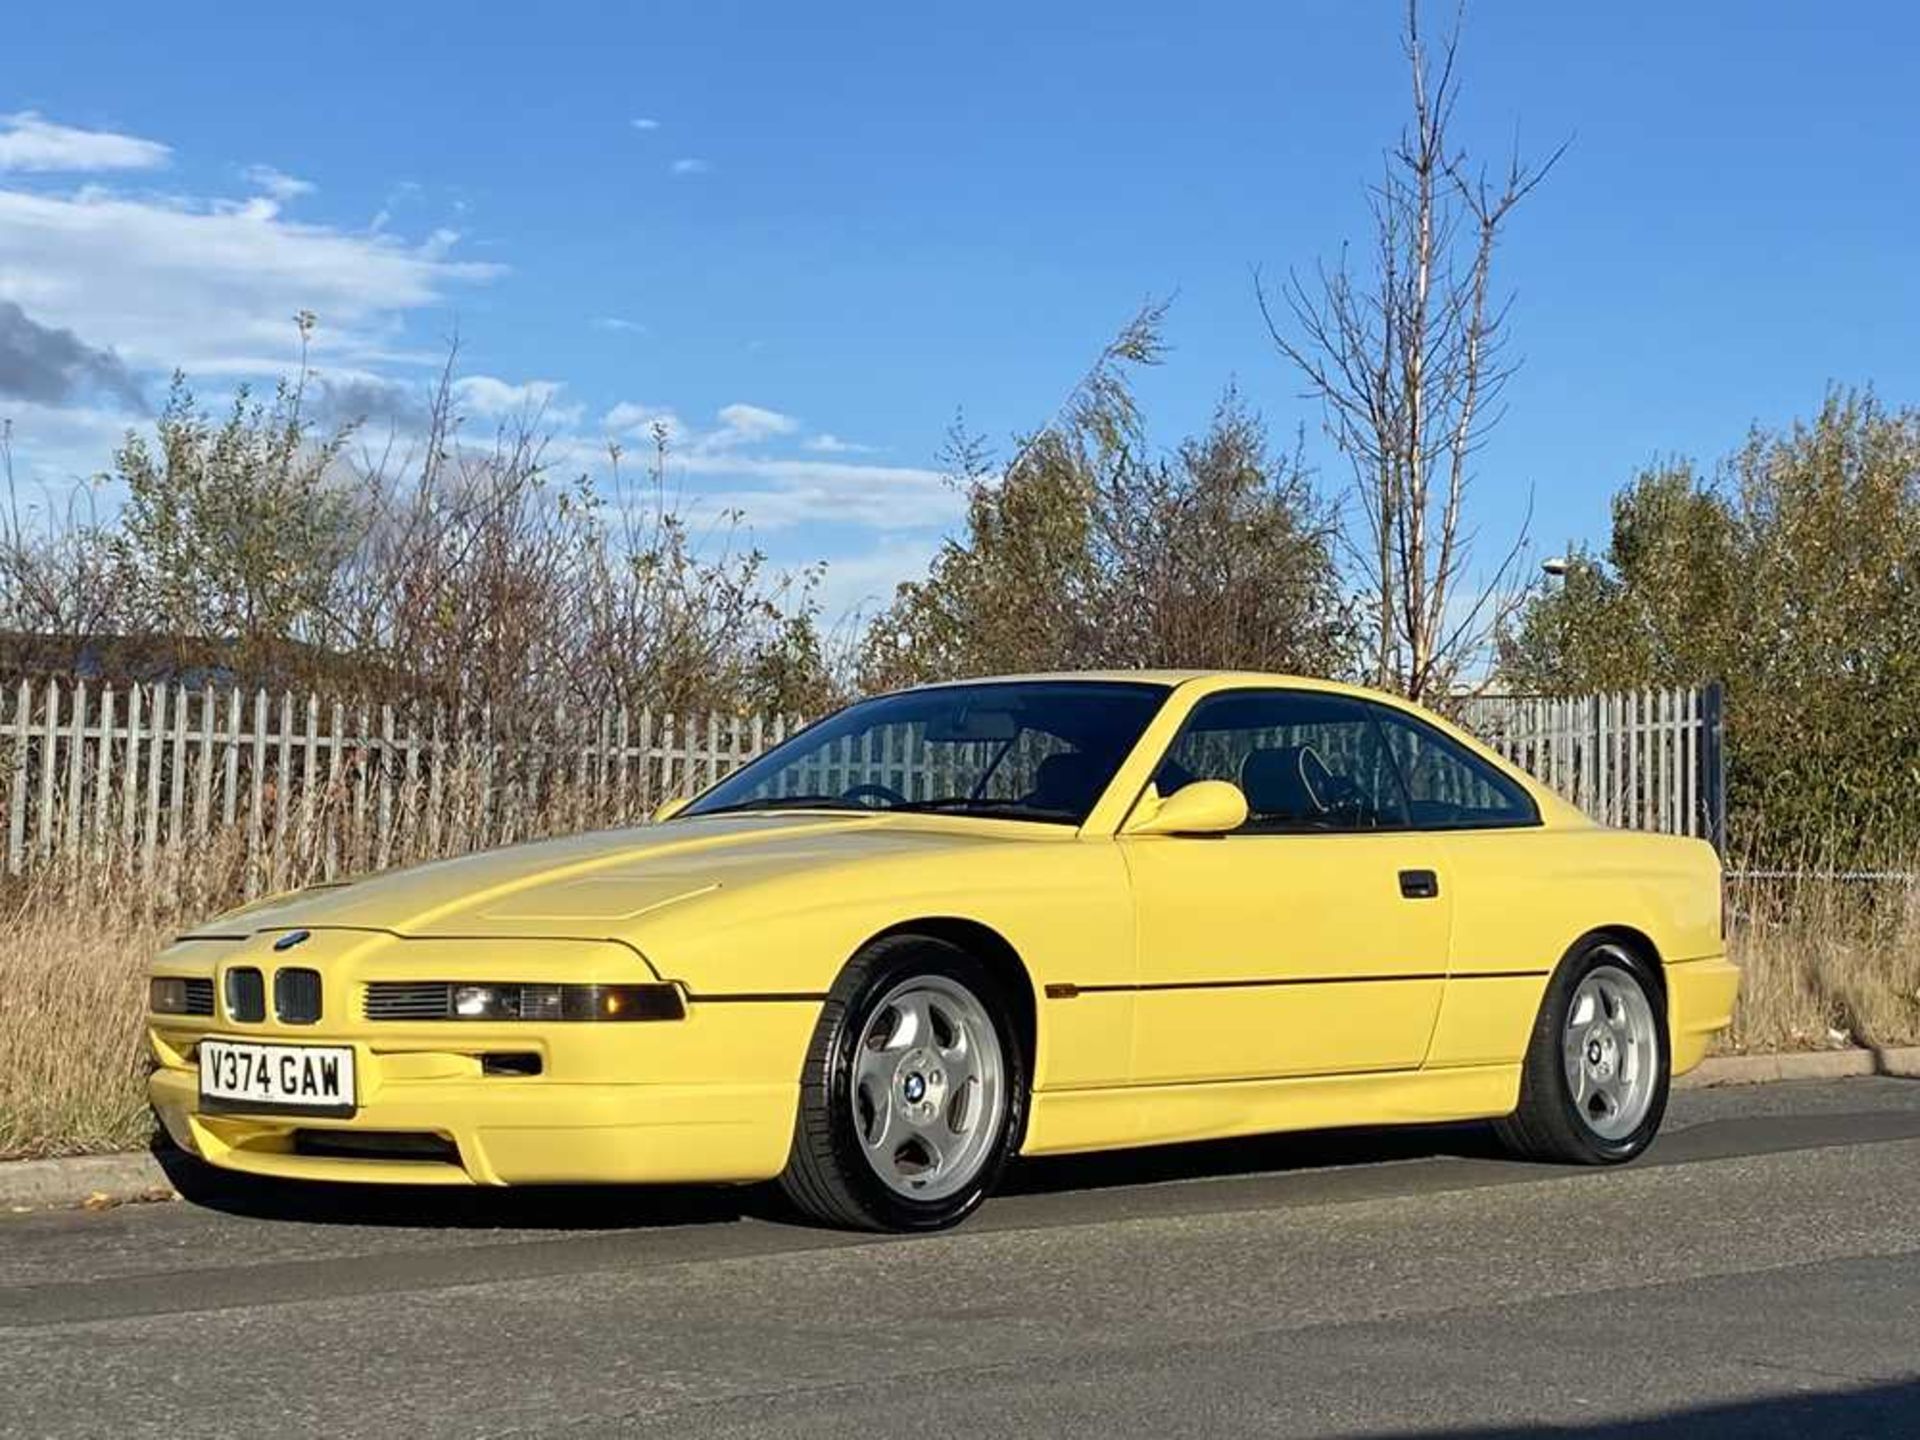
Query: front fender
[[1063, 907]]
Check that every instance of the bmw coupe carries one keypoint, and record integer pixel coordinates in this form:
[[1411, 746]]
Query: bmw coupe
[[948, 926]]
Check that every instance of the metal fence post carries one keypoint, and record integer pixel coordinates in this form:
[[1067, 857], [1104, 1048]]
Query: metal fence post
[[1713, 764]]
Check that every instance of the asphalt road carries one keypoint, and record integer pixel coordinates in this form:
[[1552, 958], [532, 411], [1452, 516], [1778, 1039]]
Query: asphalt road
[[1757, 1274]]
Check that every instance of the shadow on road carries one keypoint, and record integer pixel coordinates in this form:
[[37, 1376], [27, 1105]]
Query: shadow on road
[[603, 1207], [1255, 1155], [532, 1207], [1878, 1411]]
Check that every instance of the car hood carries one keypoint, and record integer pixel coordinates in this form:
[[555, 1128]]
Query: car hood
[[594, 885]]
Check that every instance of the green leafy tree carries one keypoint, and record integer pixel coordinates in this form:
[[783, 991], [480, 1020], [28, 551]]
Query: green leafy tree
[[1001, 597], [1793, 575], [1006, 595], [1220, 557], [233, 529], [1091, 553]]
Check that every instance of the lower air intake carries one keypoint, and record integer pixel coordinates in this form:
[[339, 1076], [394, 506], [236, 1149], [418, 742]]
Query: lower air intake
[[376, 1145]]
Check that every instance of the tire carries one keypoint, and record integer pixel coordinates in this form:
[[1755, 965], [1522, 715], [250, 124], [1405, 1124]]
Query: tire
[[914, 1056], [1593, 1087]]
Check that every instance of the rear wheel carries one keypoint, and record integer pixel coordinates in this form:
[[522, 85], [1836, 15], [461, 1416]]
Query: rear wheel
[[1593, 1088], [913, 1094]]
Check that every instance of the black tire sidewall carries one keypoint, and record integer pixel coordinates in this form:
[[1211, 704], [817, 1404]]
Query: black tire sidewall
[[891, 962], [1590, 957]]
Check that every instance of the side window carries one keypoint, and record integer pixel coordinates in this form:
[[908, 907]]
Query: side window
[[1305, 761], [1448, 786]]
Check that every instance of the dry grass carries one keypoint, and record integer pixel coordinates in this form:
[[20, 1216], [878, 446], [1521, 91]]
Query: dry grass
[[1826, 964], [72, 995], [76, 940]]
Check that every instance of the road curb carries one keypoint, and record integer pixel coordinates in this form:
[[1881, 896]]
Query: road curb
[[99, 1181], [1903, 1062], [91, 1180]]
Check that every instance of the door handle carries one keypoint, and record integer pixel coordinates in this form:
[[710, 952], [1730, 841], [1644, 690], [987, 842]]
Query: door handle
[[1419, 885]]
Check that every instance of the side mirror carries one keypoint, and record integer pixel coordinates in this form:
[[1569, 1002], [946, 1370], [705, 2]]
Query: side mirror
[[667, 809], [1205, 807]]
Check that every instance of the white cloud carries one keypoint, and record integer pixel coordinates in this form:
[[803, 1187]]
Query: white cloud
[[378, 402], [777, 492], [211, 285], [747, 424], [636, 422], [489, 397], [40, 363], [384, 402], [277, 183], [827, 443], [689, 166], [644, 123], [57, 448], [740, 424], [781, 492], [29, 141], [857, 585]]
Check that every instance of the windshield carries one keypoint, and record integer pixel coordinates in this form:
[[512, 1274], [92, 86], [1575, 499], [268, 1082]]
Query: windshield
[[1025, 750]]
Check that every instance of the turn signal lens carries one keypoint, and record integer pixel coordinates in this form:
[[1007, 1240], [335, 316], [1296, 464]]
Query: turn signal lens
[[167, 995], [623, 1002]]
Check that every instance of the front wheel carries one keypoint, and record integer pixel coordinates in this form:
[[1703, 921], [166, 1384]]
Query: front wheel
[[1593, 1088], [913, 1094]]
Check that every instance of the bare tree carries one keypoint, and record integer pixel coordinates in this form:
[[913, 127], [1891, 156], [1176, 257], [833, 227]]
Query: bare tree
[[1408, 359], [482, 570], [58, 575]]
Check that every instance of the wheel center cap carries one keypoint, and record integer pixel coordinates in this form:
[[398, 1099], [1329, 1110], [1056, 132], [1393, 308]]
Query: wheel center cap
[[1603, 1054], [914, 1088]]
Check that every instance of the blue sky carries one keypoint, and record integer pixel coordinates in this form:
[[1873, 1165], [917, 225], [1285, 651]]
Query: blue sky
[[808, 233]]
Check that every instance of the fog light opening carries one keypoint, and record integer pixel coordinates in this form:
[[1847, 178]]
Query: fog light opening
[[512, 1062]]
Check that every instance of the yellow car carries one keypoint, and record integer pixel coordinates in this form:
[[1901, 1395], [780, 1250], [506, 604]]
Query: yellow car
[[954, 924]]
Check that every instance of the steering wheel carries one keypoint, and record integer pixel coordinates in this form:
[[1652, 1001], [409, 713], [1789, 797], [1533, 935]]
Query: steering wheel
[[873, 792], [1341, 795]]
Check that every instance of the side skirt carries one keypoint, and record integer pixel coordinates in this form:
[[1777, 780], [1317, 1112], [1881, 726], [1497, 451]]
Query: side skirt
[[1063, 1121]]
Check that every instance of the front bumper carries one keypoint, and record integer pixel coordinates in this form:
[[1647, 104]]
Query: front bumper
[[707, 1097], [501, 1131]]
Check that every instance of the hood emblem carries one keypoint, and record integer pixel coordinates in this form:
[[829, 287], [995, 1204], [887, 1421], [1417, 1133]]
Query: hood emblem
[[291, 939]]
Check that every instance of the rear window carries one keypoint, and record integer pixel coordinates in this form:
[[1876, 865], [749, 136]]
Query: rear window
[[1448, 786]]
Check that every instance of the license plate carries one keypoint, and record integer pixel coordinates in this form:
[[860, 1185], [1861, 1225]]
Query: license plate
[[241, 1075]]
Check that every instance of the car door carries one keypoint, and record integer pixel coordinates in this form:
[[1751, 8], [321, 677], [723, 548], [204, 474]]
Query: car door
[[1509, 885], [1311, 941]]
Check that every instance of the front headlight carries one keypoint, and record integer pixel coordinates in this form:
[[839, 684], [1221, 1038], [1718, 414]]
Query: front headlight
[[566, 1002], [180, 995], [167, 995]]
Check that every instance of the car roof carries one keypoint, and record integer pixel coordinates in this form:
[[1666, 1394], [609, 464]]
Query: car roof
[[1170, 679], [1215, 680]]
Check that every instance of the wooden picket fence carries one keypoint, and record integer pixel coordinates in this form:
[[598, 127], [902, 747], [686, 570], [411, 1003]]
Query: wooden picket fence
[[150, 780], [158, 782]]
